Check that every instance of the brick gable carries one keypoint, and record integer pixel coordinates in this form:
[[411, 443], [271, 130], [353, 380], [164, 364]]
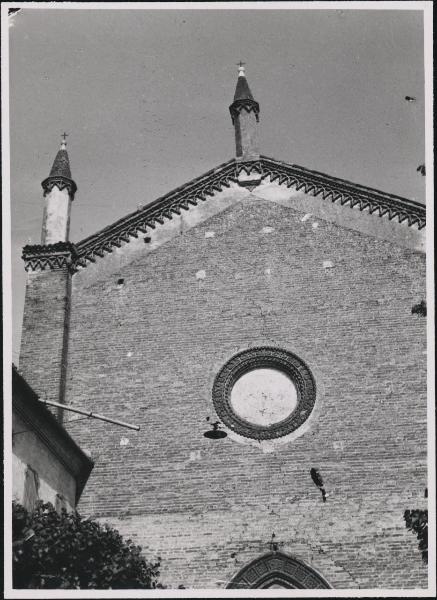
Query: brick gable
[[147, 350]]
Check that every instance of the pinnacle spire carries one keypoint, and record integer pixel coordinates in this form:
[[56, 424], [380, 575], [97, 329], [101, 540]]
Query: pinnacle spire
[[242, 91], [61, 164], [59, 190], [245, 116], [60, 173]]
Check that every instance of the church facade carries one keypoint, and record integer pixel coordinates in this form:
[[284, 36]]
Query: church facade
[[259, 325]]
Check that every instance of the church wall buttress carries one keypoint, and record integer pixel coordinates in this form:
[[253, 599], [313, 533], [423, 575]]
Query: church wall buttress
[[43, 352]]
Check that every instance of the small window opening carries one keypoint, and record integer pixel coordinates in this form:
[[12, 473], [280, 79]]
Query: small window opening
[[120, 281]]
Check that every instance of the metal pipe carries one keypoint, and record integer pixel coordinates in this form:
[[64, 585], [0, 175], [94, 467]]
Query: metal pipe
[[88, 414]]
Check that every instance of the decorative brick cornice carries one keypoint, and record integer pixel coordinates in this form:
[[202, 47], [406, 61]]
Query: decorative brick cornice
[[249, 173], [345, 192], [61, 255], [60, 182], [200, 189], [156, 213], [246, 104], [253, 167]]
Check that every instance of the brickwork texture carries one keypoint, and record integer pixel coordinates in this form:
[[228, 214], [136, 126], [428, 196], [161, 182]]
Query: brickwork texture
[[44, 339], [147, 351]]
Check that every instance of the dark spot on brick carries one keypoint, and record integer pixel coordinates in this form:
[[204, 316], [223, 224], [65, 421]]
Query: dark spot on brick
[[419, 309]]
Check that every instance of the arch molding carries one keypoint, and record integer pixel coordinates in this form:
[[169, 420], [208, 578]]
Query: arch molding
[[277, 569]]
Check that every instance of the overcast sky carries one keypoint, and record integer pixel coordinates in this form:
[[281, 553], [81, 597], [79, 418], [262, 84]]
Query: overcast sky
[[144, 96]]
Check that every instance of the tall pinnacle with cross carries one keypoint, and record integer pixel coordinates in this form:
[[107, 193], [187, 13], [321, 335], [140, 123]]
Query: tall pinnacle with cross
[[61, 164], [59, 189], [245, 117]]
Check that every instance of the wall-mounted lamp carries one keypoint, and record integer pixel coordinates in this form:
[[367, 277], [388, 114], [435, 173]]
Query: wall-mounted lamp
[[215, 433]]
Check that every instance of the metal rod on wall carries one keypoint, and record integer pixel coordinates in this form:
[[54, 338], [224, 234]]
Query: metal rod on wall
[[89, 414]]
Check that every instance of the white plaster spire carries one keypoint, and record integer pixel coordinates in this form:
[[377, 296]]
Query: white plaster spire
[[241, 69], [59, 189]]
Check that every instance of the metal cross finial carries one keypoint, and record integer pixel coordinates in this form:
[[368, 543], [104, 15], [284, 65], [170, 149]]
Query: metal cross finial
[[240, 66], [64, 140]]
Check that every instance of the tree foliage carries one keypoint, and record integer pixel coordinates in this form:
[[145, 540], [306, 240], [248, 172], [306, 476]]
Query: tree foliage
[[417, 521], [66, 551]]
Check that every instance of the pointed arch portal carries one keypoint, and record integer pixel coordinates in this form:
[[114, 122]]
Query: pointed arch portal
[[278, 570]]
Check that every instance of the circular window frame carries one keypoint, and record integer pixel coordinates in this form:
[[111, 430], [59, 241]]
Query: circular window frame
[[262, 358]]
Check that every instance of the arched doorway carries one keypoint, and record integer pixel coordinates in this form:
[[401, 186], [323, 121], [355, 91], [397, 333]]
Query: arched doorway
[[278, 570]]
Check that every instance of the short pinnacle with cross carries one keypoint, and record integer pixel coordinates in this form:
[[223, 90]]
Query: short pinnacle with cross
[[64, 140], [240, 66]]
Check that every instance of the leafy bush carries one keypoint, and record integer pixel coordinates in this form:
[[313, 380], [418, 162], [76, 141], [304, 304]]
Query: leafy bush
[[66, 551], [417, 521]]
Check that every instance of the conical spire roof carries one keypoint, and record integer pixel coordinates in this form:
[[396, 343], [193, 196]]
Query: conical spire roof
[[243, 99], [242, 91], [60, 173], [61, 165]]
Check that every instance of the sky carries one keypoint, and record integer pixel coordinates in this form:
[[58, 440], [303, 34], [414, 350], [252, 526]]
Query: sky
[[144, 97]]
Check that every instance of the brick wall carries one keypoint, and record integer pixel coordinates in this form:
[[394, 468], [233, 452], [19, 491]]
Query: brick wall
[[44, 338], [147, 352]]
